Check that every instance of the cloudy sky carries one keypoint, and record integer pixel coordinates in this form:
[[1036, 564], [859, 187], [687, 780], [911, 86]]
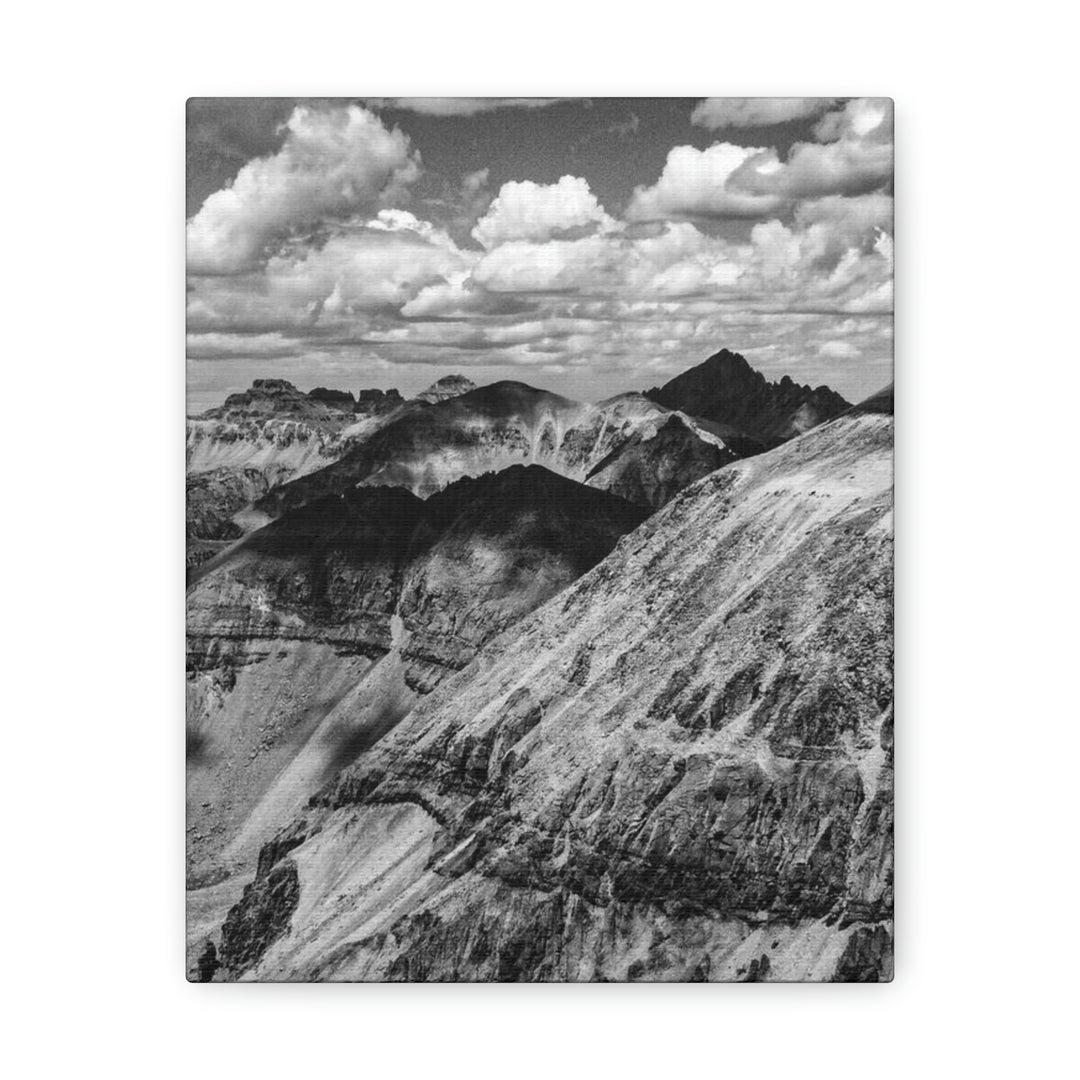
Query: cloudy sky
[[585, 246]]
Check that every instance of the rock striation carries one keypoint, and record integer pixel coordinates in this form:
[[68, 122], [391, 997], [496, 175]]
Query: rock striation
[[311, 637], [680, 767], [510, 423], [263, 437]]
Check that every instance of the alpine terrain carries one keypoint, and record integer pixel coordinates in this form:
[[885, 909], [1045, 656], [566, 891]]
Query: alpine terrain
[[491, 684]]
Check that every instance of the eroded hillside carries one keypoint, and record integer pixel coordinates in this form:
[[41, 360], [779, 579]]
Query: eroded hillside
[[678, 768]]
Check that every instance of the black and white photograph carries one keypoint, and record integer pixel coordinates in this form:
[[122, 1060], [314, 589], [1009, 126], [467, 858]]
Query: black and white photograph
[[539, 539], [473, 608]]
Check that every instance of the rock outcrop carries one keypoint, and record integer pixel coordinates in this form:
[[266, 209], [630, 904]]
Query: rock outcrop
[[378, 402], [337, 399], [678, 768], [449, 386], [279, 398]]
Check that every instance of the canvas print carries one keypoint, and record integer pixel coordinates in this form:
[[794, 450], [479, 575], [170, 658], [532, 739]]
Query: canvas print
[[539, 540]]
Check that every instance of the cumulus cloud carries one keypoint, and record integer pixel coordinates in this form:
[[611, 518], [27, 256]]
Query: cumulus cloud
[[715, 113], [383, 264], [524, 210], [553, 282], [842, 350], [695, 183], [860, 118], [812, 170], [835, 224], [854, 157], [334, 162]]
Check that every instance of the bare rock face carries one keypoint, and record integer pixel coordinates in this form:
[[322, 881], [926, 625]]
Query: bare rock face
[[261, 917], [277, 397], [678, 768], [378, 402], [645, 449], [449, 386], [258, 439], [754, 413], [309, 639], [338, 399], [650, 469], [509, 423], [213, 500]]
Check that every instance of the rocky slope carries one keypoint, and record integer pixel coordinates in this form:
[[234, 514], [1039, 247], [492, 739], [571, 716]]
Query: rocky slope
[[274, 426], [311, 637], [309, 445], [751, 412], [510, 423], [652, 465], [263, 437], [678, 768]]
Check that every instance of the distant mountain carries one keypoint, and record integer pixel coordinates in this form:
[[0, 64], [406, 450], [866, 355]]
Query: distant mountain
[[653, 465], [449, 386], [679, 768], [751, 413], [311, 637], [263, 437], [376, 402], [510, 423], [308, 445], [280, 399]]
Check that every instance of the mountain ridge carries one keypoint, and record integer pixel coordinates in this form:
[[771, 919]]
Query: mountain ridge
[[312, 636], [679, 768], [725, 389]]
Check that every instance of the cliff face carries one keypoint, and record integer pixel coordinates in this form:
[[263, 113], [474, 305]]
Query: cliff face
[[506, 424], [679, 768], [754, 413], [312, 637], [260, 438]]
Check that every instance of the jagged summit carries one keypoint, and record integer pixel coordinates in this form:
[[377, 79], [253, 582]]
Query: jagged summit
[[342, 399], [727, 391], [449, 386], [280, 399], [373, 402]]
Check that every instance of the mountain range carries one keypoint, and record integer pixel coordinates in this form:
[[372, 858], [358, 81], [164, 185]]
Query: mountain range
[[492, 684]]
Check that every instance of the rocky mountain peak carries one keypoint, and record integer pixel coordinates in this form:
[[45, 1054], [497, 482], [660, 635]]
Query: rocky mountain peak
[[280, 399], [274, 386], [372, 402], [727, 391], [341, 399], [449, 386]]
